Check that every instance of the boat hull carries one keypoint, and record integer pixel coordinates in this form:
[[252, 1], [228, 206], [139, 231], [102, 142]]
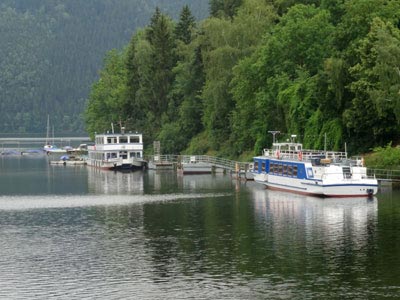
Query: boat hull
[[344, 188], [196, 168]]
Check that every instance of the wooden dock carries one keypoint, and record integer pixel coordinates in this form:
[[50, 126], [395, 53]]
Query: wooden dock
[[239, 170]]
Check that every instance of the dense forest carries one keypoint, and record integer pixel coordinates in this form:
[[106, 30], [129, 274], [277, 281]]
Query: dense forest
[[52, 50], [314, 68]]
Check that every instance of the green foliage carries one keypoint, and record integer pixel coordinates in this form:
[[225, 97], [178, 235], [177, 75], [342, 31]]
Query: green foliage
[[373, 113], [199, 145], [325, 70], [224, 8], [105, 104], [225, 43], [384, 158], [170, 138]]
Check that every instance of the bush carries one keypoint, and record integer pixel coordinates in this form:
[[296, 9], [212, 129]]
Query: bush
[[384, 158]]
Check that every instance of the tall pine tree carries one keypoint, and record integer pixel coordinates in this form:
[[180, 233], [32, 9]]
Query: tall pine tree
[[185, 26], [224, 8]]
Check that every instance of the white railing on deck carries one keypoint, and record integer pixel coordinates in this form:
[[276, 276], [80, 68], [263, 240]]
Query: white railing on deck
[[304, 154]]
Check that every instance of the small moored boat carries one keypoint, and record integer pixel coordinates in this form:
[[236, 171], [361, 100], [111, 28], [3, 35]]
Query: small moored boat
[[67, 160]]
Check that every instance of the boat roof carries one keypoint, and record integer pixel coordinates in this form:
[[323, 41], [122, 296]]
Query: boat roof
[[288, 146], [118, 134]]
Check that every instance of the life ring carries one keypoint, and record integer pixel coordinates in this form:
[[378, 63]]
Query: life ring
[[300, 155]]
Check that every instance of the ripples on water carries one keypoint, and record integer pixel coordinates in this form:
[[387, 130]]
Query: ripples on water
[[161, 236]]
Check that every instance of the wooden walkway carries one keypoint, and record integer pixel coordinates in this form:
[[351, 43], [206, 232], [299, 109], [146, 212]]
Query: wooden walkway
[[235, 167]]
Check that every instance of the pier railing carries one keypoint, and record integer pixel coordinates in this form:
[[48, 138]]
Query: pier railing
[[217, 162], [384, 174]]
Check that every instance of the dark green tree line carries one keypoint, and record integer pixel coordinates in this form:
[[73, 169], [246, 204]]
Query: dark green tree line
[[318, 69], [51, 52]]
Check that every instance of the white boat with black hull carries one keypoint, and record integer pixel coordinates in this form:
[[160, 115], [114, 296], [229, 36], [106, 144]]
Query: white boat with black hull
[[288, 167], [117, 151]]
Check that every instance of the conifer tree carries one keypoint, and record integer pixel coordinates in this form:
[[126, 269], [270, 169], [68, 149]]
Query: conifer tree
[[185, 26], [224, 8], [161, 38]]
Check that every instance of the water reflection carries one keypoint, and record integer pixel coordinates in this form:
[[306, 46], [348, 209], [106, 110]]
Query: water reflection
[[114, 183], [166, 181], [333, 221], [152, 235], [32, 175]]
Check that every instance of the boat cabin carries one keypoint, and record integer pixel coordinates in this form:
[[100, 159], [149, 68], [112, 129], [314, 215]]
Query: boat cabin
[[117, 145]]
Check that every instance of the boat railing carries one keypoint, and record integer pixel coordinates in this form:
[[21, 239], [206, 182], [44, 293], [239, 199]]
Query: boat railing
[[305, 154], [348, 176]]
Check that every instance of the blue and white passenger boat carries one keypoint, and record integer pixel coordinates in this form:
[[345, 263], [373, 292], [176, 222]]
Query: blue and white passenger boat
[[288, 167], [117, 151]]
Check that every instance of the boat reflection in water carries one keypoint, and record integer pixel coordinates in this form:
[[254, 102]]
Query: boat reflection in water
[[114, 183], [203, 183], [165, 181], [332, 222]]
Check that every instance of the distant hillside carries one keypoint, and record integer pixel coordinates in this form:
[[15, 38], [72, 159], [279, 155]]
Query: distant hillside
[[52, 50]]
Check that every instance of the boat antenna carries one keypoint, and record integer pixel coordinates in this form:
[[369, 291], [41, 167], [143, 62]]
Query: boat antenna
[[274, 132], [325, 145]]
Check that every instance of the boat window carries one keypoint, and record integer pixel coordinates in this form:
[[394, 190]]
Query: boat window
[[138, 154], [256, 166], [280, 169], [290, 170], [131, 154], [123, 154], [113, 155], [285, 170], [134, 139], [310, 173], [295, 171], [263, 167], [111, 140], [123, 139]]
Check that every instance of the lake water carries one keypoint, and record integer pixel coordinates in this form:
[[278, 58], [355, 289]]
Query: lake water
[[80, 233]]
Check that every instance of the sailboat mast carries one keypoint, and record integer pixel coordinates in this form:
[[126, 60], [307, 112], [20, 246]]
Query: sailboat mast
[[48, 130]]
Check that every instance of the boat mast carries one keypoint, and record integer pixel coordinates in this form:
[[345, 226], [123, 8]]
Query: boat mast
[[273, 132], [48, 130]]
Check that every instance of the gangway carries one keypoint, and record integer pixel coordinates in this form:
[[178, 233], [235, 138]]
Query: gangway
[[215, 163]]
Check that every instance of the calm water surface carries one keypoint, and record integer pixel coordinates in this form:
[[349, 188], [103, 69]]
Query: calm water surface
[[80, 233]]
